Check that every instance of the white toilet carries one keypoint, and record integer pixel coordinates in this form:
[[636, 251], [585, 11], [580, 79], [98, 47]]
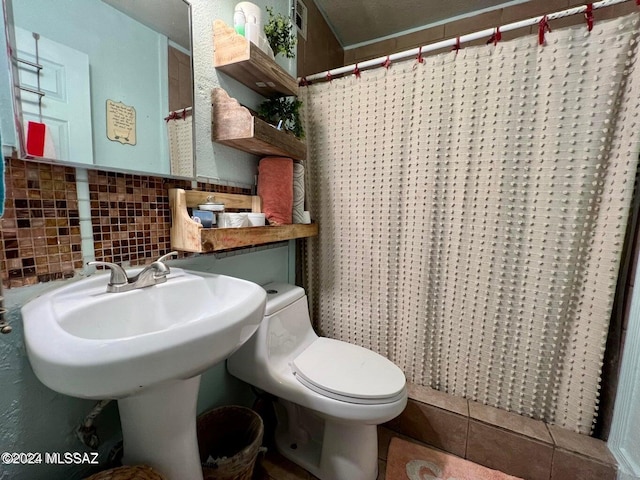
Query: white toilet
[[331, 394]]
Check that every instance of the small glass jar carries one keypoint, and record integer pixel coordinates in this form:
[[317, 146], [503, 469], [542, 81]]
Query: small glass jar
[[211, 206]]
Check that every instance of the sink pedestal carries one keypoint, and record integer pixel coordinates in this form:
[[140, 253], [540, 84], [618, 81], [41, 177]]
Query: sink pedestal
[[159, 429]]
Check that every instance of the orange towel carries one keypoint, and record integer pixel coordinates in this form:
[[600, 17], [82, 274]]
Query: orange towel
[[275, 187]]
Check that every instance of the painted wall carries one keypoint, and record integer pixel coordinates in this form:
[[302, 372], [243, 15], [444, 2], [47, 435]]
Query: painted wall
[[128, 63], [36, 419]]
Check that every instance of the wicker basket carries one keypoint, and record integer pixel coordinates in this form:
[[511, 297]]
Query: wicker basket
[[135, 472], [232, 436]]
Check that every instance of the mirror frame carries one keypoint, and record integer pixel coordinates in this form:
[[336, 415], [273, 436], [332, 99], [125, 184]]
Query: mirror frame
[[19, 150]]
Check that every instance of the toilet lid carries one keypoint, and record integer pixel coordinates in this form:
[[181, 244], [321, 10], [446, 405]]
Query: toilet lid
[[348, 372]]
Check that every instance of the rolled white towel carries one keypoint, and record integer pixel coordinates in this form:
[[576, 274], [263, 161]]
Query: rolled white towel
[[298, 193]]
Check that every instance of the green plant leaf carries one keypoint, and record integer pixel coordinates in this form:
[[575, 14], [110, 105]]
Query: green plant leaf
[[273, 110], [280, 34]]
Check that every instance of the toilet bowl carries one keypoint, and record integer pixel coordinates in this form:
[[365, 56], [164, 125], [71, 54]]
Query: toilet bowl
[[331, 394]]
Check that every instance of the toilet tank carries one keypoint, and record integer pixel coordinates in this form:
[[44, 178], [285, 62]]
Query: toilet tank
[[281, 295], [286, 320], [285, 331]]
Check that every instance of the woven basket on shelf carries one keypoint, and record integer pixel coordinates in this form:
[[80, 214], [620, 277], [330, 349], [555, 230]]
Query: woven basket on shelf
[[135, 472]]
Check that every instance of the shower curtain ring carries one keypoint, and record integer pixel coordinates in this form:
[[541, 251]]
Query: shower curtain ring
[[588, 15], [457, 46], [419, 58]]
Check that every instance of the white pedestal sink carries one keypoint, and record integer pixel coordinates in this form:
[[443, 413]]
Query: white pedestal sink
[[146, 348]]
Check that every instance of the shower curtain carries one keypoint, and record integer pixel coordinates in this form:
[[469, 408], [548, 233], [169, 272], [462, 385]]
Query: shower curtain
[[472, 210]]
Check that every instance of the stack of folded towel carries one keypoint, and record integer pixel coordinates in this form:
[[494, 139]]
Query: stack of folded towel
[[275, 187], [281, 187]]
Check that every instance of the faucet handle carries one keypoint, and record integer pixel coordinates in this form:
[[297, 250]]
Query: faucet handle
[[159, 267], [167, 256], [118, 274]]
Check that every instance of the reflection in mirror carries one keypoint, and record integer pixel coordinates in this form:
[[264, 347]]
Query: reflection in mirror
[[106, 83]]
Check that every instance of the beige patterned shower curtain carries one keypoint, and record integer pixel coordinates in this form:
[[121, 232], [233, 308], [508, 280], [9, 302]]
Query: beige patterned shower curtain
[[472, 212]]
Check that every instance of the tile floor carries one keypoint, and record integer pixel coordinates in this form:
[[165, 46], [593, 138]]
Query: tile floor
[[274, 466]]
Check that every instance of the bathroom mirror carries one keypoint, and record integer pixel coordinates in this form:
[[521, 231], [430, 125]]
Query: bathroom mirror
[[104, 83]]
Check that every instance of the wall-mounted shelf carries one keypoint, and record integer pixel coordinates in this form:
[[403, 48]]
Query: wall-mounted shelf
[[189, 236], [234, 125], [240, 59]]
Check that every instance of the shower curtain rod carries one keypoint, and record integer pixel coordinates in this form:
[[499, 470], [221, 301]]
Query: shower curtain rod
[[452, 42]]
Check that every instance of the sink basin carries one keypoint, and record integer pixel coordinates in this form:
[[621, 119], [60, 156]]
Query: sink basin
[[87, 343], [145, 347]]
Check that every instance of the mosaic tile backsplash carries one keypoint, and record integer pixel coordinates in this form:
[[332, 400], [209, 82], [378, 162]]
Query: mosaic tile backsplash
[[40, 228], [130, 217]]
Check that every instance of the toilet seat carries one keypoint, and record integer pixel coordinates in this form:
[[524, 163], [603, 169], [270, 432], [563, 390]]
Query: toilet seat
[[348, 373]]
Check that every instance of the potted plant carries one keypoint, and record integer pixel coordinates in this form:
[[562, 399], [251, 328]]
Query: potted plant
[[280, 35], [285, 110]]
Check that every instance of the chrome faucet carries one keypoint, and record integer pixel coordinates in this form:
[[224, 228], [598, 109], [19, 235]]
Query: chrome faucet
[[153, 274]]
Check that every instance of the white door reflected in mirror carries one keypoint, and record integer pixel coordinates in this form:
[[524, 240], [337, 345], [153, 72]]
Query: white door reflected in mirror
[[64, 81], [100, 51]]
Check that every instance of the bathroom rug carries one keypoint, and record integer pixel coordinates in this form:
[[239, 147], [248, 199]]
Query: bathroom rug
[[410, 461]]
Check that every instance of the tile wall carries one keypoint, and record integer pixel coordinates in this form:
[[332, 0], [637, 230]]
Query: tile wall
[[491, 19], [130, 217], [501, 440], [40, 228]]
